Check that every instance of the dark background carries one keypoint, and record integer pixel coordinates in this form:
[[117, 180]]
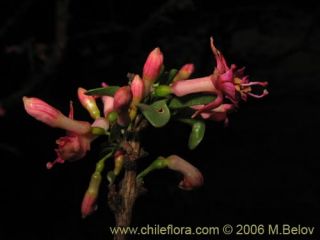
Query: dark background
[[262, 168]]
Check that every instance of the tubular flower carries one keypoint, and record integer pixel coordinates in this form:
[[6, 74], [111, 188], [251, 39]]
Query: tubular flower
[[73, 146], [230, 82], [89, 103], [185, 87], [122, 101], [184, 73], [192, 177], [152, 69], [225, 82], [49, 115]]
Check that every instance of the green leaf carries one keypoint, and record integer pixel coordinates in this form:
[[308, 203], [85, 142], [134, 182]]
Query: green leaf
[[111, 177], [197, 132], [158, 113], [104, 91], [191, 100]]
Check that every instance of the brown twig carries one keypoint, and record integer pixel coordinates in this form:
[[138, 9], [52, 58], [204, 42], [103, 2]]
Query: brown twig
[[121, 202]]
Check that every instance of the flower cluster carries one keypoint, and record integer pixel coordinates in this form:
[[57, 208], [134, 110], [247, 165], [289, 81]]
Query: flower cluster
[[156, 97]]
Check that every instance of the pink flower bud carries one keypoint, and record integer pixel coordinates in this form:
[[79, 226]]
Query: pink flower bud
[[121, 104], [118, 162], [88, 205], [122, 98], [89, 103], [192, 177], [42, 111], [137, 89], [49, 115], [151, 69], [184, 73]]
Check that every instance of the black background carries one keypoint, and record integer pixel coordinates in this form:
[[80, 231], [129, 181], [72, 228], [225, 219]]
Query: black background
[[262, 168]]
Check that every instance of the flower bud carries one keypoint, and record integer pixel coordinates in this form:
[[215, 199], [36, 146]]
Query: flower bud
[[89, 103], [184, 73], [122, 101], [118, 162], [152, 69], [88, 205], [51, 116], [137, 89], [192, 177]]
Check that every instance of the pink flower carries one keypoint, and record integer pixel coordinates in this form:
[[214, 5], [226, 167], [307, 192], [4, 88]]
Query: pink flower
[[71, 148], [74, 146], [192, 177], [226, 82], [89, 103], [152, 69], [49, 115], [230, 82], [184, 73], [121, 104]]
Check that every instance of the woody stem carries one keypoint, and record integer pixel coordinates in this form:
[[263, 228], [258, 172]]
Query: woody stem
[[121, 201]]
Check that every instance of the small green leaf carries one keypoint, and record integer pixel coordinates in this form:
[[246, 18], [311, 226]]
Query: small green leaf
[[158, 113], [104, 91], [197, 132], [111, 177], [191, 100]]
